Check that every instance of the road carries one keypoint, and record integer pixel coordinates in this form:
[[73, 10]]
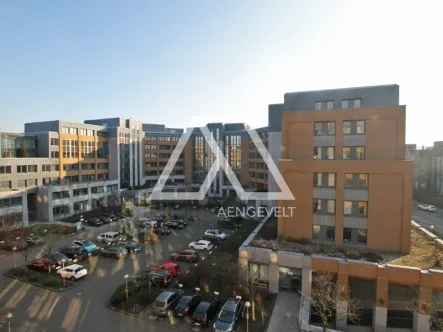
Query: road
[[84, 307], [427, 219]]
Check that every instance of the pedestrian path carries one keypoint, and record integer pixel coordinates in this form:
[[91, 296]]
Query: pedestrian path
[[285, 314]]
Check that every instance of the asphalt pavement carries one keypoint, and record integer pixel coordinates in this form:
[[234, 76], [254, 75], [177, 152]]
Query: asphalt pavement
[[84, 307], [427, 219]]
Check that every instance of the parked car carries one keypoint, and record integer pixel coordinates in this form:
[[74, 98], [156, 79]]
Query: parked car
[[187, 255], [187, 305], [11, 244], [201, 245], [159, 219], [166, 301], [173, 225], [40, 265], [89, 246], [146, 224], [180, 221], [229, 316], [160, 278], [73, 272], [215, 234], [426, 207], [130, 245], [112, 216], [205, 312], [34, 240], [162, 230], [59, 259], [109, 237], [96, 222], [171, 267], [114, 252], [120, 215], [228, 223], [105, 220], [76, 253]]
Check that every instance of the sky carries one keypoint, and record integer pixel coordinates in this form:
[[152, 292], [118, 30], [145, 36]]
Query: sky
[[166, 61]]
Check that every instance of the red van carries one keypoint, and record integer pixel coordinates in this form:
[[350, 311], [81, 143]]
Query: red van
[[171, 267]]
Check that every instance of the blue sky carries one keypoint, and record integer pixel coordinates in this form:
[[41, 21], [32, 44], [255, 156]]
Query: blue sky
[[166, 61]]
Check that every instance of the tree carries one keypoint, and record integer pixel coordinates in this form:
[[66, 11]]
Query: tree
[[21, 152], [323, 300], [223, 271], [427, 305]]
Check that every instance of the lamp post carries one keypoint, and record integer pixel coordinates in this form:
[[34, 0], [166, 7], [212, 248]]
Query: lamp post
[[247, 305], [127, 290], [14, 250], [432, 228], [9, 316], [63, 272]]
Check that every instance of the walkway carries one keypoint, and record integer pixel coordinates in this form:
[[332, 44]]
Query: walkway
[[285, 314]]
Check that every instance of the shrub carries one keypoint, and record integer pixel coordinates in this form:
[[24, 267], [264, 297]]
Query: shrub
[[51, 281], [128, 212], [373, 257], [18, 272]]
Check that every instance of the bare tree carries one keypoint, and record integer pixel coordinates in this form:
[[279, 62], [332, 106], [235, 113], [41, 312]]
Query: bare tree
[[27, 250], [430, 307], [323, 300], [223, 270]]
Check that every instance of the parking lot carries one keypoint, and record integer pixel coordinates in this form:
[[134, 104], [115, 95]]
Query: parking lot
[[84, 307]]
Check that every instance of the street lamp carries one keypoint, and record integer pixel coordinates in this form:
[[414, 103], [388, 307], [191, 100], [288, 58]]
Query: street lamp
[[180, 286], [9, 316], [126, 289], [247, 305], [14, 250], [432, 228]]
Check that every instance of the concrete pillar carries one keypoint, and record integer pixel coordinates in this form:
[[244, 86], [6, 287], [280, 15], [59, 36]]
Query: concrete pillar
[[273, 277], [379, 320], [306, 279], [25, 212], [421, 323], [341, 315]]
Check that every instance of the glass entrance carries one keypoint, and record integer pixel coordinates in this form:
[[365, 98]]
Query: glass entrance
[[289, 280]]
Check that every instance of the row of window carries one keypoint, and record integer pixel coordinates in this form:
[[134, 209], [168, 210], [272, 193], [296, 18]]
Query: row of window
[[83, 191], [330, 104], [253, 155], [163, 138], [348, 153], [350, 235], [350, 208], [351, 180], [258, 175], [10, 202], [160, 155], [84, 132], [327, 128], [156, 173], [27, 169], [162, 164]]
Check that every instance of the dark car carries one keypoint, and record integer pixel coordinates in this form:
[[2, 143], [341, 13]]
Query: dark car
[[59, 259], [34, 240], [160, 278], [114, 252], [130, 246], [76, 253], [187, 305], [228, 223], [105, 219], [183, 222], [110, 216], [166, 301], [173, 225], [162, 231], [158, 219], [11, 244], [94, 222], [229, 317], [120, 215], [40, 265], [205, 312], [187, 255]]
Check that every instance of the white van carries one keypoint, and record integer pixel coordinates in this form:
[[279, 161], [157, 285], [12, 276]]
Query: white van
[[109, 237]]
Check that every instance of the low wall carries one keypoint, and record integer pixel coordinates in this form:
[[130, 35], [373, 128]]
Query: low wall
[[428, 234]]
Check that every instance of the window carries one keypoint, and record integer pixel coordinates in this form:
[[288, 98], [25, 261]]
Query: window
[[164, 155], [104, 176], [357, 127], [97, 190], [362, 235], [316, 231], [363, 209], [103, 165], [22, 184], [21, 169], [351, 103], [331, 206], [150, 155], [88, 149], [330, 233], [324, 206], [354, 153], [318, 105], [260, 272], [329, 105], [324, 128], [347, 234], [55, 154], [164, 147], [88, 166], [5, 169], [54, 141], [324, 179], [324, 153], [348, 207], [32, 168], [344, 104], [356, 181], [325, 104], [86, 178], [357, 103], [5, 185]]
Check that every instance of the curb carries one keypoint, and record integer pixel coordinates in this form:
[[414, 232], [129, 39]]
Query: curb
[[125, 312], [41, 286], [78, 233]]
